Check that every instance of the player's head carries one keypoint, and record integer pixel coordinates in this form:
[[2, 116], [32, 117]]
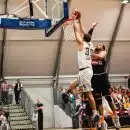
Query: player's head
[[87, 37], [100, 47], [38, 100]]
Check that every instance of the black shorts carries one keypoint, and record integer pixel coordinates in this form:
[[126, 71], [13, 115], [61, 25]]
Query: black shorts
[[101, 84]]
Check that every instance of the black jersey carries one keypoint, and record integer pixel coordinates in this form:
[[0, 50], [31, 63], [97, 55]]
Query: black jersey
[[98, 66], [100, 81]]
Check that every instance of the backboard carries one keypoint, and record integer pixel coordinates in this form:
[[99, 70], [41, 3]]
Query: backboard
[[58, 12]]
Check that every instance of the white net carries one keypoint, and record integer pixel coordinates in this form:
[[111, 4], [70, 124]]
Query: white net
[[55, 10], [69, 31]]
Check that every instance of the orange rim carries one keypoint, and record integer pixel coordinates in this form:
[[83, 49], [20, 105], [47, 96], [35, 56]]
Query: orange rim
[[68, 21]]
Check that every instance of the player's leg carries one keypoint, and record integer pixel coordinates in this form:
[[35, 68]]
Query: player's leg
[[87, 114], [115, 117], [106, 92], [91, 102], [95, 117], [96, 85], [102, 125], [108, 109], [98, 99], [73, 85], [85, 81]]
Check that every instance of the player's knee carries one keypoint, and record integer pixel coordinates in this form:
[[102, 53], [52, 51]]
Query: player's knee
[[108, 98]]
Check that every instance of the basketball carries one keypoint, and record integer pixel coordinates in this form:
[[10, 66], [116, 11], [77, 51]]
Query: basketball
[[77, 14]]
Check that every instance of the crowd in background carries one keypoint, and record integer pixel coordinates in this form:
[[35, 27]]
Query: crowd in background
[[7, 98], [121, 98], [120, 95], [5, 90], [4, 114]]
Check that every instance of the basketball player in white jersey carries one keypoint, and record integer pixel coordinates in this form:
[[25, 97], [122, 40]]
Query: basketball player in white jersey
[[85, 50]]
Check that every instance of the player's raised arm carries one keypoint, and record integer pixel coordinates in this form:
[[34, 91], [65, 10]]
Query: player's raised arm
[[77, 29], [90, 32], [81, 28], [77, 32], [101, 55]]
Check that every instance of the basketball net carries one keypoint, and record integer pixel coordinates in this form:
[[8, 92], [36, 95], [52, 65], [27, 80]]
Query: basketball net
[[68, 29], [68, 22]]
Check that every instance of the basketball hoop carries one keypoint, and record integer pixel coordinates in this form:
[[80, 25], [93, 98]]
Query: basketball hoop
[[68, 22], [68, 30]]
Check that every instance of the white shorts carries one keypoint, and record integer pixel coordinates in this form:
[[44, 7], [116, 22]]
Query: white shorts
[[84, 79]]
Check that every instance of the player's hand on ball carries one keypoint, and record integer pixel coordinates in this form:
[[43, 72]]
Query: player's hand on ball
[[73, 14], [76, 14]]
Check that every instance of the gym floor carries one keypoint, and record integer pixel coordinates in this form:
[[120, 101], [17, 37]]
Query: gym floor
[[79, 129]]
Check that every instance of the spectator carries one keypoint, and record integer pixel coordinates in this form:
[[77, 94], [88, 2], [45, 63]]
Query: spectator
[[116, 100], [17, 89], [65, 96], [129, 81], [4, 123], [5, 90], [39, 108], [6, 113], [1, 112]]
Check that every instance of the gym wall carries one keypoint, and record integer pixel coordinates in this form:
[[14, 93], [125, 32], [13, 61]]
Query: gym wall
[[29, 53]]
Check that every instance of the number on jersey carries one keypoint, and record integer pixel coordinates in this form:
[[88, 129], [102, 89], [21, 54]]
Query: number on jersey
[[87, 51]]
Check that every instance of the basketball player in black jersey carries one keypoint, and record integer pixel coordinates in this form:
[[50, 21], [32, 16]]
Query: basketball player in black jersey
[[100, 82]]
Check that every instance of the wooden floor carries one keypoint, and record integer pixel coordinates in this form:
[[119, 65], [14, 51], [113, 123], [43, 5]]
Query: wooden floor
[[80, 129]]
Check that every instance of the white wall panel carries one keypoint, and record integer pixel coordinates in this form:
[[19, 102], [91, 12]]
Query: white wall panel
[[104, 11], [30, 58], [27, 51], [124, 31], [2, 7], [120, 62], [30, 35]]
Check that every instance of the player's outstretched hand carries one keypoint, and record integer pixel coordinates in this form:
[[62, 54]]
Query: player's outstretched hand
[[94, 24]]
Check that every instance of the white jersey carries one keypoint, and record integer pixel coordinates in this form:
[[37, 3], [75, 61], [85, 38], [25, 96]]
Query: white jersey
[[84, 56]]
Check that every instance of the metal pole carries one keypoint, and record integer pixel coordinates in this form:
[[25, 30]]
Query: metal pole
[[3, 45], [115, 32], [57, 66], [58, 58], [31, 8], [57, 69], [60, 52]]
